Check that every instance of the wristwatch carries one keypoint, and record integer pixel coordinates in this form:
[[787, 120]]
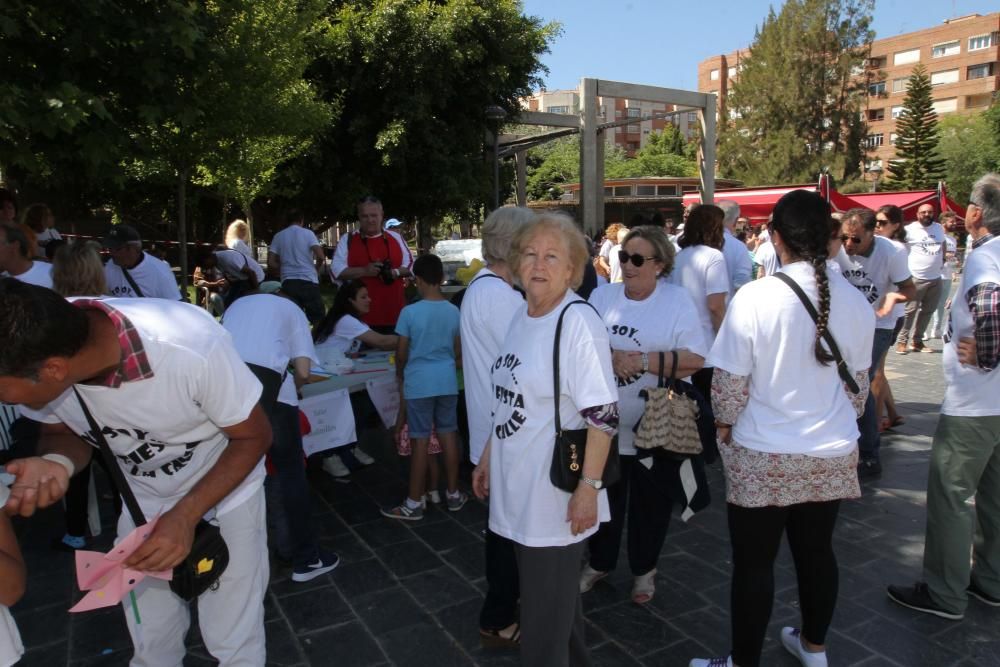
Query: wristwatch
[[645, 362], [596, 483]]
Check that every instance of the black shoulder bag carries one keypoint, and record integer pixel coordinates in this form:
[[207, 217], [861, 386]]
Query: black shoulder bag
[[570, 446], [131, 281], [845, 373], [209, 555]]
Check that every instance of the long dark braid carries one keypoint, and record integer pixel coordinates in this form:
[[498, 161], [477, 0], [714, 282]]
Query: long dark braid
[[802, 219]]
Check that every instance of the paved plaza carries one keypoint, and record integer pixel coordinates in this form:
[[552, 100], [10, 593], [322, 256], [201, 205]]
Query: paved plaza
[[409, 593]]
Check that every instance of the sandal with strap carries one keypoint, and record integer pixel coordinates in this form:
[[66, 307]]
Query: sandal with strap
[[495, 639], [644, 587], [589, 577]]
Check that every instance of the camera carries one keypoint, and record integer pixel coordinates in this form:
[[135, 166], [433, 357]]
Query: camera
[[385, 272]]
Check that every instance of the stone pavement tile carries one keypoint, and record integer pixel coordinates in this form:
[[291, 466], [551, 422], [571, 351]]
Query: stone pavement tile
[[678, 654], [328, 524], [40, 627], [282, 584], [366, 576], [439, 588], [902, 644], [444, 535], [672, 599], [388, 609], [407, 558], [422, 644], [606, 592], [468, 559], [283, 649], [347, 645], [315, 609], [610, 655], [635, 628], [49, 654], [382, 532], [689, 570], [358, 511], [474, 512]]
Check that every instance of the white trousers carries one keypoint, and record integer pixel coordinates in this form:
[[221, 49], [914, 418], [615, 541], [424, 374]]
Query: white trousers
[[231, 617]]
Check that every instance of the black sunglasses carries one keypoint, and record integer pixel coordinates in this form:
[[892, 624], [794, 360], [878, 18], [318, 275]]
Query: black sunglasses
[[882, 222], [636, 259], [845, 238]]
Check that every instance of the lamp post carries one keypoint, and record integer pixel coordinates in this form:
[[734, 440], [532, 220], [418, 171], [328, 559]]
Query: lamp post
[[876, 171], [495, 114]]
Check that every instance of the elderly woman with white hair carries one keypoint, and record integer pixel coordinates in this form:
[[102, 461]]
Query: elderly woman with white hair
[[236, 238], [549, 525], [488, 306]]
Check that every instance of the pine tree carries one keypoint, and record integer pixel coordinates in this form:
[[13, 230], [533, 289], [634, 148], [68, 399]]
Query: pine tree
[[917, 165]]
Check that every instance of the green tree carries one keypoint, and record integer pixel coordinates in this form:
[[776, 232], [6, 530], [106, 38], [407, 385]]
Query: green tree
[[663, 155], [917, 165], [795, 106], [969, 147]]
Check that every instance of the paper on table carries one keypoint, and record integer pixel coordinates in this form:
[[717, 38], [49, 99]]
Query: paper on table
[[385, 396], [105, 576], [331, 419]]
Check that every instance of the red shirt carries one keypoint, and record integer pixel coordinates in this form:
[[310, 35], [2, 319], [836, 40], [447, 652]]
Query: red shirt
[[387, 300]]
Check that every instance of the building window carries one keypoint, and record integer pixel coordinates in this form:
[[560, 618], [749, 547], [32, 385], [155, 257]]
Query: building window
[[873, 140], [609, 192], [874, 164], [906, 57], [714, 75], [983, 41], [876, 114], [877, 62], [618, 113], [560, 109], [631, 147], [634, 112], [896, 110], [623, 190], [731, 72], [604, 111], [632, 128], [945, 106], [980, 71], [892, 138], [899, 85], [946, 76], [645, 191], [692, 116], [876, 89], [980, 100], [945, 49], [666, 190]]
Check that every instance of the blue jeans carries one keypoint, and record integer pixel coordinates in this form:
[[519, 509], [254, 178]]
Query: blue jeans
[[870, 441], [293, 533]]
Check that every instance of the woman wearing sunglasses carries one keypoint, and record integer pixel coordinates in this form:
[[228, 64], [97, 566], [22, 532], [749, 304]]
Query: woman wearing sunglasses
[[700, 268], [644, 315]]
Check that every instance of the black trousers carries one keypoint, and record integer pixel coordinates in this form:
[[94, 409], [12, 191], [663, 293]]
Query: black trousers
[[552, 625], [503, 585], [306, 295], [641, 495], [755, 533]]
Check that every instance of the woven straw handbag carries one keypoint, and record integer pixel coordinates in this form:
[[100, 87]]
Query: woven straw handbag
[[670, 420]]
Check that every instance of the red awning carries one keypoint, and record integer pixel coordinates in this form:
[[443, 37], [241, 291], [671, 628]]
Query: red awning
[[909, 201], [757, 203]]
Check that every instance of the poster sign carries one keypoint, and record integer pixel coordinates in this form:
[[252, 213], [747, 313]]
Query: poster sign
[[331, 420], [384, 393]]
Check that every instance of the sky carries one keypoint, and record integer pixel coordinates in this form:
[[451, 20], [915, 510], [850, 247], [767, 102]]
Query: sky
[[661, 42]]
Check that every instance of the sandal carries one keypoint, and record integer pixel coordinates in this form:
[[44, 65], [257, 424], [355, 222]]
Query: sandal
[[495, 639], [589, 577], [643, 588]]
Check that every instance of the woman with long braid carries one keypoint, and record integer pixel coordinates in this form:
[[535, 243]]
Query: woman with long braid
[[787, 429]]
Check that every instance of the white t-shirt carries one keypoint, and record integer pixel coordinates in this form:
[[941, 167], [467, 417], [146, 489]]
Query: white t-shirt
[[605, 250], [876, 275], [488, 306], [767, 258], [701, 271], [948, 268], [926, 250], [900, 308], [166, 431], [152, 275], [796, 405], [39, 274], [270, 331], [524, 504], [615, 264], [344, 338], [231, 263], [293, 245], [665, 320], [969, 391], [737, 262]]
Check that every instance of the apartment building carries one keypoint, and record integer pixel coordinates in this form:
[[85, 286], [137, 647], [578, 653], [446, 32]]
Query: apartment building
[[961, 56], [649, 116]]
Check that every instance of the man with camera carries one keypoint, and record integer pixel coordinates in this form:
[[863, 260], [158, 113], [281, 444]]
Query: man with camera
[[378, 257]]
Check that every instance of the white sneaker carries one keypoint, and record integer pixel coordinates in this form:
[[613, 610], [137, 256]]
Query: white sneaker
[[589, 577], [712, 662], [791, 640], [333, 465], [363, 458]]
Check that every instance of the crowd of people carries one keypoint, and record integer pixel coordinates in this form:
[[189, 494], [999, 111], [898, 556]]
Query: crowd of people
[[779, 336]]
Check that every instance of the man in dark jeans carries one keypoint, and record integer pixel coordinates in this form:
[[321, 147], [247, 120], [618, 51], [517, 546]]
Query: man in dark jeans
[[296, 255]]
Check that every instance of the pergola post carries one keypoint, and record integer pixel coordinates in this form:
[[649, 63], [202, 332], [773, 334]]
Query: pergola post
[[706, 152], [521, 171], [591, 166]]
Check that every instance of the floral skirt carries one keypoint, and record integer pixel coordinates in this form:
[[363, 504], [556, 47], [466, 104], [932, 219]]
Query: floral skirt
[[762, 479]]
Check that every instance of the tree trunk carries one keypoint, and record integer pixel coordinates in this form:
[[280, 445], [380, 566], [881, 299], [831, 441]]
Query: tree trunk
[[225, 216], [248, 211], [182, 175]]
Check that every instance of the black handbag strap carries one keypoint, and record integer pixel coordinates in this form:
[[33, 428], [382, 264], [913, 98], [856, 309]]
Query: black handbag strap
[[485, 275], [555, 358], [131, 281], [842, 369], [138, 518]]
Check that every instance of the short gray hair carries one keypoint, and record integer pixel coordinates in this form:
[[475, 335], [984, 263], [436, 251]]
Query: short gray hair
[[498, 231], [730, 211], [986, 195]]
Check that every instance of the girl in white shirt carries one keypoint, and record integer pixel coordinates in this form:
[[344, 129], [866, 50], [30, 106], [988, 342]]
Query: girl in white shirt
[[787, 429]]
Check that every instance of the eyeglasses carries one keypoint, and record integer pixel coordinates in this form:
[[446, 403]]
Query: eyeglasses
[[636, 259], [845, 238]]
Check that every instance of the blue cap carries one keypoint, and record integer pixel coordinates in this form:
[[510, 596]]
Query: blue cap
[[392, 222]]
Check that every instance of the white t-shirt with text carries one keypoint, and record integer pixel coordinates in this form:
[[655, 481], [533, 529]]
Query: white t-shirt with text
[[926, 249], [153, 276], [876, 275], [701, 271]]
